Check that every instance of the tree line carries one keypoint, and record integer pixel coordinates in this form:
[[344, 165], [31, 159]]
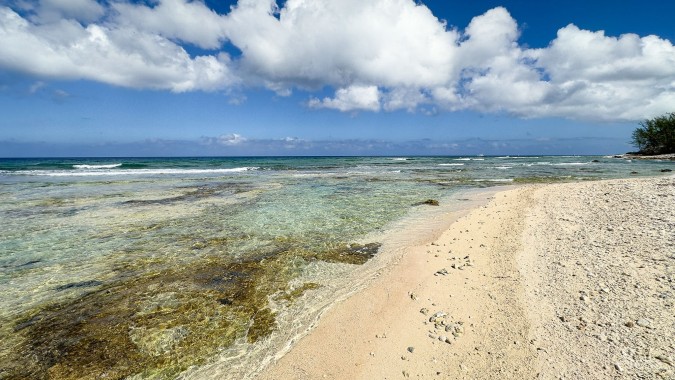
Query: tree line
[[656, 135]]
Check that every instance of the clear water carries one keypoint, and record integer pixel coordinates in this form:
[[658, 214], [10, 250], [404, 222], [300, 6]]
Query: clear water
[[150, 267]]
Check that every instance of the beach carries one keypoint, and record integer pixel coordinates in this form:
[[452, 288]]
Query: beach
[[343, 267], [571, 280]]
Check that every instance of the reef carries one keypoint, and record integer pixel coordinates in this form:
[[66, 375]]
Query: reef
[[156, 322]]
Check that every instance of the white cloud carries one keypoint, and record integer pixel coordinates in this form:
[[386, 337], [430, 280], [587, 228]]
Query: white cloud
[[378, 55], [403, 98], [596, 76], [487, 38], [60, 94], [188, 21], [35, 87], [231, 139], [498, 77], [81, 10], [592, 55], [412, 58], [341, 43], [124, 57], [366, 98]]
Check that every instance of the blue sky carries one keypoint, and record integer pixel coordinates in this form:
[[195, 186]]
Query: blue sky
[[178, 77]]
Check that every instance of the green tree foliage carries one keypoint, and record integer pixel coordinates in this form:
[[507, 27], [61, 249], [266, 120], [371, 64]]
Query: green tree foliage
[[656, 136]]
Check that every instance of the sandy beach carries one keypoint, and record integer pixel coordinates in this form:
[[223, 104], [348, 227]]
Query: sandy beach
[[561, 281]]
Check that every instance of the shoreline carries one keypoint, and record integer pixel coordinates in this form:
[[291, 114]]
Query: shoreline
[[655, 157], [339, 282], [436, 313], [217, 276]]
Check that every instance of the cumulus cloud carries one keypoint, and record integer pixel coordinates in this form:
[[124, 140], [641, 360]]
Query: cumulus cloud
[[350, 99], [496, 75], [376, 55], [403, 98], [188, 21], [120, 56], [625, 77], [81, 10], [231, 139], [342, 43]]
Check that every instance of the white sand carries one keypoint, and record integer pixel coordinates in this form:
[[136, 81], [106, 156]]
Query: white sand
[[535, 252]]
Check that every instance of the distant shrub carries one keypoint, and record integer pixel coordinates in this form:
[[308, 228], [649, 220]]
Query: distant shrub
[[656, 136]]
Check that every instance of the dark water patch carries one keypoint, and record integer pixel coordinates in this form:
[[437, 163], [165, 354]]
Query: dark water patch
[[58, 207], [21, 213], [381, 179], [26, 323], [130, 165], [80, 284], [48, 165], [26, 264], [67, 212], [198, 193], [54, 202], [219, 187], [592, 170]]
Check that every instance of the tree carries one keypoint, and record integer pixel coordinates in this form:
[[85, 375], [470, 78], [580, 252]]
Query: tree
[[656, 136]]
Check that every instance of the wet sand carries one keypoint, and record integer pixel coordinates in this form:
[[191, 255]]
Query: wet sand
[[548, 281]]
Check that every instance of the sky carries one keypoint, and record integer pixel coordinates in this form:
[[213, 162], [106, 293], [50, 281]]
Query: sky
[[331, 77]]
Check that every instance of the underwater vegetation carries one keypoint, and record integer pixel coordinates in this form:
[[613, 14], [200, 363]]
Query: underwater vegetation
[[157, 323]]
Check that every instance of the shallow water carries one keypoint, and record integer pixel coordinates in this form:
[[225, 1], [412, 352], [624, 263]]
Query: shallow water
[[146, 268]]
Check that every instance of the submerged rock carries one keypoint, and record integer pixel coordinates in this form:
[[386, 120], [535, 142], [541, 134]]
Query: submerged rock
[[81, 284], [430, 202], [350, 254], [156, 321]]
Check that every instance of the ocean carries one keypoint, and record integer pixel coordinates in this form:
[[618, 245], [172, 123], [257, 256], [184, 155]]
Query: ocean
[[163, 268]]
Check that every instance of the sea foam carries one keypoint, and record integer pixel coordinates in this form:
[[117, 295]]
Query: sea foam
[[86, 166], [86, 172]]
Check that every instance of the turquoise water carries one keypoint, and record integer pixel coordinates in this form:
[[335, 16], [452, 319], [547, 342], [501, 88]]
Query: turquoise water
[[147, 267]]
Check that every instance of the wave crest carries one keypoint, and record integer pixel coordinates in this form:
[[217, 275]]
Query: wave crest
[[87, 166]]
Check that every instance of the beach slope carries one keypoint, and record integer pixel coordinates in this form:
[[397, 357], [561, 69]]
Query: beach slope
[[555, 281]]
